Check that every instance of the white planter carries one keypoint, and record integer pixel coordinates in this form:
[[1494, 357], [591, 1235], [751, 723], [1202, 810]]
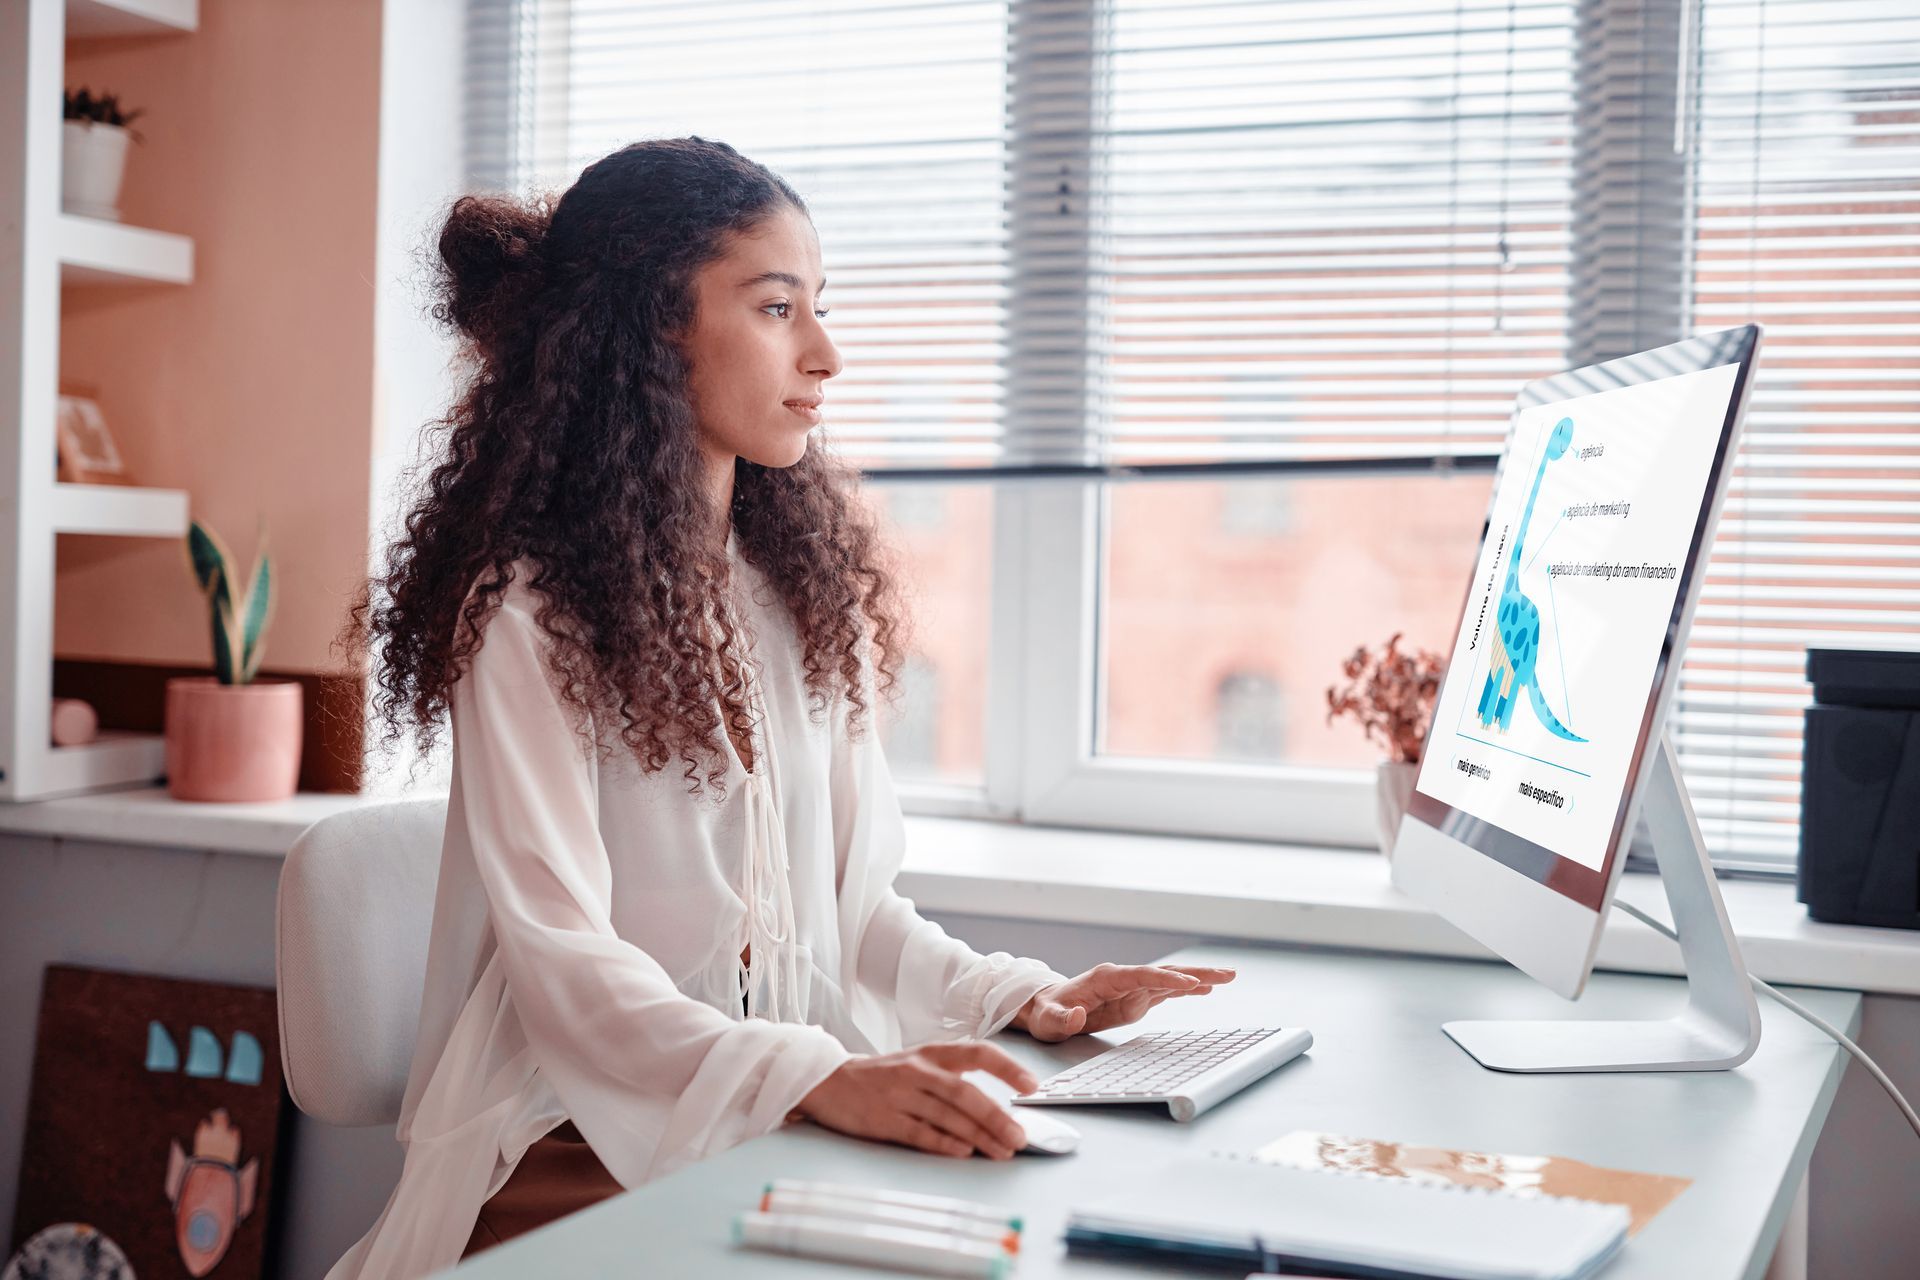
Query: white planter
[[93, 157], [1393, 788]]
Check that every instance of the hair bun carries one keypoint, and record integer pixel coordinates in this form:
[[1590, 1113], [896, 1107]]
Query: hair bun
[[489, 249]]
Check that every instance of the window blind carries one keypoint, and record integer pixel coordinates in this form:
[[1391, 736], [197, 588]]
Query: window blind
[[1067, 232], [1805, 120], [1322, 229], [888, 116]]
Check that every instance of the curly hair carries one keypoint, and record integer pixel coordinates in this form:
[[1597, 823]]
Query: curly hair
[[574, 445]]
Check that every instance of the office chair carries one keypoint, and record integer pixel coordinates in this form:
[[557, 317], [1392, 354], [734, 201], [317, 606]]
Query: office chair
[[354, 913]]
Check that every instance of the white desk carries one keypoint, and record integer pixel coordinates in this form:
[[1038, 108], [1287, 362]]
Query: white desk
[[1379, 1068]]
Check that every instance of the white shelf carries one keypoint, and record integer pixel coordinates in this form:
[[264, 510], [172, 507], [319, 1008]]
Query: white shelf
[[46, 253], [90, 18], [120, 510], [95, 251], [116, 758]]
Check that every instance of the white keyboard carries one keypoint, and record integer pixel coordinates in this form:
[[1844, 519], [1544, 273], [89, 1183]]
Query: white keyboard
[[1190, 1071]]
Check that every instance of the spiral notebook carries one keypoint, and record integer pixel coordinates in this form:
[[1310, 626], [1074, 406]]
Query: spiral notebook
[[1234, 1215]]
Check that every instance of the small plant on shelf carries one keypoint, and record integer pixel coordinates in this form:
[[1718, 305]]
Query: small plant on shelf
[[94, 136], [231, 736], [239, 623], [104, 109]]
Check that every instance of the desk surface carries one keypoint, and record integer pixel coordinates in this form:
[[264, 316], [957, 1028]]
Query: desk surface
[[1379, 1068]]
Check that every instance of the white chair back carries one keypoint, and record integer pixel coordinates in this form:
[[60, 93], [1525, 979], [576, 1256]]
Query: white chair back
[[355, 912]]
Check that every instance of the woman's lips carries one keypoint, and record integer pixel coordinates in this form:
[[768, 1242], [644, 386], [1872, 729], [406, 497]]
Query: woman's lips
[[810, 412]]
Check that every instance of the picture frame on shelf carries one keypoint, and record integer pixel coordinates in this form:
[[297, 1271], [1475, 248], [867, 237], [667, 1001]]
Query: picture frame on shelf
[[85, 448]]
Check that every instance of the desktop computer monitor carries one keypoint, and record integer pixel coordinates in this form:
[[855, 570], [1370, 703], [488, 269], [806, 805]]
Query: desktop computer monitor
[[1549, 729]]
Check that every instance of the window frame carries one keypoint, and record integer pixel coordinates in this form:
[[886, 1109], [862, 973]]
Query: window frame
[[1065, 782]]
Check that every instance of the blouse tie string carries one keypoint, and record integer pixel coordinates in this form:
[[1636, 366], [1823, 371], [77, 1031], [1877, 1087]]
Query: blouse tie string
[[773, 977], [773, 980]]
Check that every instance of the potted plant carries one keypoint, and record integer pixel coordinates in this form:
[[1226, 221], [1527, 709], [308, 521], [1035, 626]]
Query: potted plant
[[1391, 694], [93, 153], [230, 736]]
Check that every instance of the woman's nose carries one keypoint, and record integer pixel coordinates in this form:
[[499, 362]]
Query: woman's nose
[[824, 360]]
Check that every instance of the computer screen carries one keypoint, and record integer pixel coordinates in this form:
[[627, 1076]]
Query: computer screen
[[1576, 613]]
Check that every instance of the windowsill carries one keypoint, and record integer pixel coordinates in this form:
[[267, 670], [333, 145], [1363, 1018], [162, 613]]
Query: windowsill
[[1308, 896], [148, 815], [1291, 894]]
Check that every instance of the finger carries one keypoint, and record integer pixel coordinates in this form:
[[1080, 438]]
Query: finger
[[967, 1055], [915, 1132], [974, 1120], [1123, 980], [1204, 973], [1056, 1021], [986, 1119], [950, 1121], [972, 1101], [1166, 976]]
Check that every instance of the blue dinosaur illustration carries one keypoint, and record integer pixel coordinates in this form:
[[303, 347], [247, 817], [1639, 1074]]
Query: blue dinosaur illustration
[[1516, 646]]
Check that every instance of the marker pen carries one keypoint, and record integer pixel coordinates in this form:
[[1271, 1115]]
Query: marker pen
[[844, 1241], [817, 1205], [905, 1199]]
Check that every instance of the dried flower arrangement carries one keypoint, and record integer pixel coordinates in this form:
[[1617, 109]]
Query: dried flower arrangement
[[1391, 694]]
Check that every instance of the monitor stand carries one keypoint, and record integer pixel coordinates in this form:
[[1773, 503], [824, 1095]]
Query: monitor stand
[[1719, 1028]]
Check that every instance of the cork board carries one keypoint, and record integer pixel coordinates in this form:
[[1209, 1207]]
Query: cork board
[[153, 1124]]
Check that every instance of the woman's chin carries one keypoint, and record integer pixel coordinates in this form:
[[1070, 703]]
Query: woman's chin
[[782, 456]]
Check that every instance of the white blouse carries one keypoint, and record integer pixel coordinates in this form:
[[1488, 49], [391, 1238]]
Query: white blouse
[[589, 922]]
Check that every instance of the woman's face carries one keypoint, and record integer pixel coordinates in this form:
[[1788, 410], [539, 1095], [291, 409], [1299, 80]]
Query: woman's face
[[760, 356]]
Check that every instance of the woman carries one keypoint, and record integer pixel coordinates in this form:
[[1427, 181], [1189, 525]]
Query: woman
[[659, 621]]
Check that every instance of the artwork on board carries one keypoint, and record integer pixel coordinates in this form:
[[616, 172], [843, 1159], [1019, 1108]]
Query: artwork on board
[[153, 1124]]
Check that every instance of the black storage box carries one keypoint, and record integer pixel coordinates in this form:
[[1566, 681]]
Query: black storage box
[[1860, 789]]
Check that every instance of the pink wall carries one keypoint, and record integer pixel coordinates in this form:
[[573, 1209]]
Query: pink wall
[[252, 388]]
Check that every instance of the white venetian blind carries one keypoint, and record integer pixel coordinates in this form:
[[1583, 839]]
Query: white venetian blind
[[888, 117], [1117, 232], [1326, 229], [1806, 126]]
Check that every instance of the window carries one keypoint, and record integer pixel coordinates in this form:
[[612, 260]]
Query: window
[[1187, 606], [944, 535], [1256, 508], [1303, 256], [1806, 197], [911, 737], [1333, 239], [1250, 717]]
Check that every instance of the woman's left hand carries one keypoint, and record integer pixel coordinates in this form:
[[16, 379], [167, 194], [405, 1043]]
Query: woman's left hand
[[1111, 995]]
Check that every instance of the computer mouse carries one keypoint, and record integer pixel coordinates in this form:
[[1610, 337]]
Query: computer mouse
[[1046, 1135]]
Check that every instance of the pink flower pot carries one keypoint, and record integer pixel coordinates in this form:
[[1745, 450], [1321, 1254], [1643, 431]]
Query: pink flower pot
[[232, 742]]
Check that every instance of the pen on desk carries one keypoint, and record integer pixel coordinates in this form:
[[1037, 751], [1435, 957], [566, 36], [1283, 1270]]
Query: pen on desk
[[905, 1199], [865, 1209], [844, 1241]]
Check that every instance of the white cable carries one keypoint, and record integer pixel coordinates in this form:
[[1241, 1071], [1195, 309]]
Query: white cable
[[1860, 1055]]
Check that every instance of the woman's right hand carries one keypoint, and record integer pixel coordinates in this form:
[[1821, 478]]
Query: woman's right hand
[[917, 1098]]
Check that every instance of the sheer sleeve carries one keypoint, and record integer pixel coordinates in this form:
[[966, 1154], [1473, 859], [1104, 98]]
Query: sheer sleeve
[[939, 987], [652, 1078]]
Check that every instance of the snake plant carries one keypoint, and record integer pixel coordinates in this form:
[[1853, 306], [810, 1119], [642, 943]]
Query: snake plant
[[238, 624]]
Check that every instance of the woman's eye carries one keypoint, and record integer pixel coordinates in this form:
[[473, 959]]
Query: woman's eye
[[784, 307]]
